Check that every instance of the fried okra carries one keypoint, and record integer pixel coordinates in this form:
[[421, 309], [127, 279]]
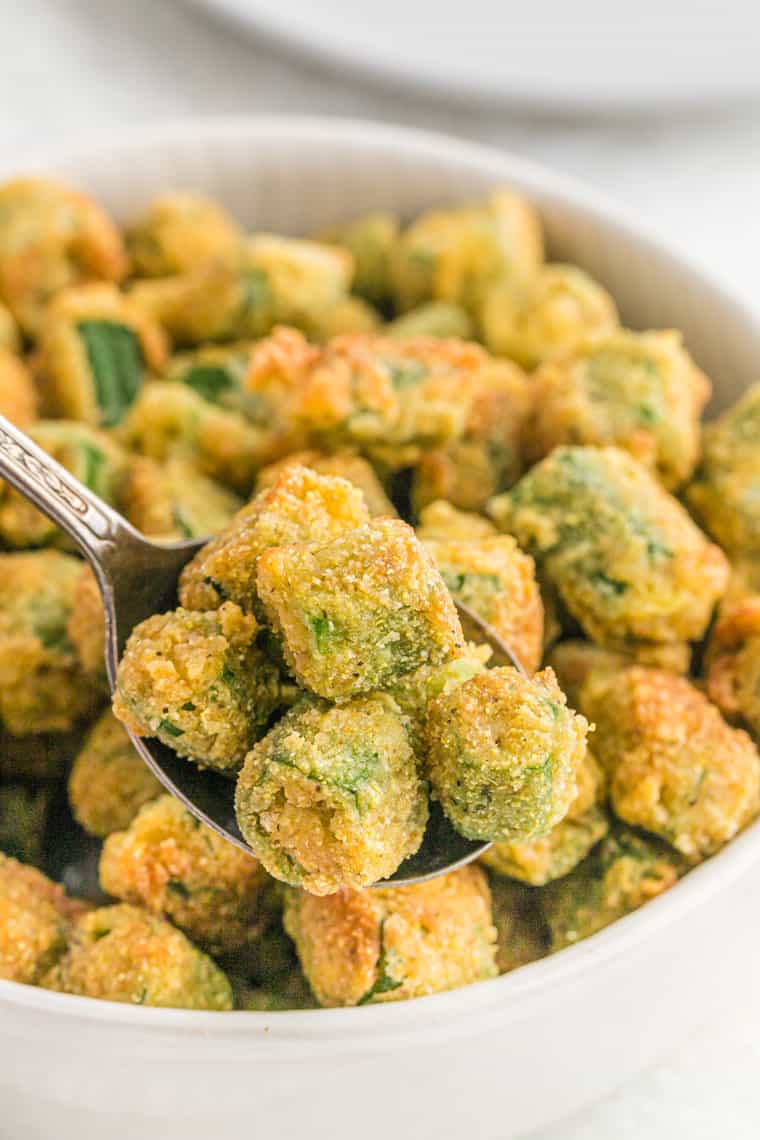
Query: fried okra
[[521, 932], [35, 917], [215, 371], [623, 555], [441, 520], [622, 873], [198, 682], [493, 578], [457, 254], [52, 237], [109, 782], [371, 241], [10, 335], [41, 684], [639, 391], [299, 506], [348, 316], [175, 867], [18, 393], [86, 626], [733, 662], [359, 611], [503, 754], [173, 501], [121, 953], [725, 494], [362, 947], [331, 798], [179, 231], [546, 316], [675, 767], [440, 319], [574, 660], [341, 464], [24, 810]]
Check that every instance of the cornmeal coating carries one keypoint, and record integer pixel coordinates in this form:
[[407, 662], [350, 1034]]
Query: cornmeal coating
[[18, 393], [487, 458], [733, 662], [639, 391], [24, 810], [96, 347], [493, 578], [724, 494], [457, 254], [35, 917], [574, 660], [331, 798], [109, 782], [172, 501], [121, 953], [359, 611], [521, 932], [42, 688], [362, 947], [675, 767], [503, 754], [198, 682], [440, 319], [623, 555], [440, 519], [414, 691], [175, 867], [179, 231], [371, 241], [86, 625], [300, 505], [10, 334], [52, 237], [343, 464], [622, 873], [547, 316]]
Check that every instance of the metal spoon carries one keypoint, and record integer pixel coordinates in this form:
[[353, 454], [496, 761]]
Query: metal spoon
[[138, 578]]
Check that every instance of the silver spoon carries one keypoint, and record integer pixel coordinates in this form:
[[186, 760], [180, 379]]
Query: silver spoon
[[138, 578]]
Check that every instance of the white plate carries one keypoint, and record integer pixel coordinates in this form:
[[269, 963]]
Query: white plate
[[590, 55]]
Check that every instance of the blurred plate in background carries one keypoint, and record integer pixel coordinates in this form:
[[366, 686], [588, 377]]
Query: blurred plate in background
[[587, 55]]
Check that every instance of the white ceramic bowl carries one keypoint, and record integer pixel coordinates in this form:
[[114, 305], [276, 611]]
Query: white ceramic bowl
[[499, 1058]]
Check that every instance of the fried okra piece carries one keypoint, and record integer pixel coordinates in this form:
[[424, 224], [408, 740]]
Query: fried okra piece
[[348, 316], [625, 558], [503, 754], [457, 254], [121, 953], [18, 393], [175, 867], [216, 372], [10, 335], [362, 947], [724, 494], [109, 782], [441, 520], [639, 391], [675, 767], [300, 505], [733, 662], [198, 682], [488, 457], [86, 626], [573, 661], [331, 798], [35, 916], [359, 611], [89, 454], [494, 579], [24, 810], [180, 230], [342, 464], [521, 932], [371, 241], [52, 237], [440, 319], [546, 316], [42, 688], [173, 501], [622, 873]]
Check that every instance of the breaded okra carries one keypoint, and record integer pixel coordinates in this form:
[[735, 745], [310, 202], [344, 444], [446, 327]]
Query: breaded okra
[[52, 237], [173, 500], [371, 241], [19, 399], [623, 555], [109, 782], [121, 953], [503, 754], [35, 918], [175, 867], [638, 391], [362, 947], [343, 464], [441, 520], [675, 767], [359, 611], [42, 688], [440, 319], [622, 873], [299, 506], [86, 625], [216, 372], [547, 316], [180, 230], [10, 334], [198, 682], [331, 797], [573, 660], [733, 662], [457, 254]]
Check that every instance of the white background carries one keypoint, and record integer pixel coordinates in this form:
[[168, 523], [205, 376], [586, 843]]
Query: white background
[[70, 66]]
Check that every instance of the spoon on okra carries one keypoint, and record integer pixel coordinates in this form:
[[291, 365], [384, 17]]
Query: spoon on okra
[[138, 578]]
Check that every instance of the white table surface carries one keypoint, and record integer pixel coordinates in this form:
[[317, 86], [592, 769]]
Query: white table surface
[[70, 66]]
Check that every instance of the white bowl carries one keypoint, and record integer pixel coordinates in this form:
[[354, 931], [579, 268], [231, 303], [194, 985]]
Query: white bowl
[[496, 1059]]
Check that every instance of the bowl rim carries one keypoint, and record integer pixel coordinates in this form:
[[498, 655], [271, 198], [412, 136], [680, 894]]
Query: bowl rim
[[461, 1010]]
